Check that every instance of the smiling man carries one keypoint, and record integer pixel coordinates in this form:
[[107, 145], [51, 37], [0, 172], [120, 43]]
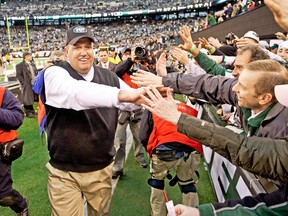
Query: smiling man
[[81, 103], [252, 95]]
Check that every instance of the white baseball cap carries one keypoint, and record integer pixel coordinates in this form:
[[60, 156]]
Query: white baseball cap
[[281, 92], [253, 35]]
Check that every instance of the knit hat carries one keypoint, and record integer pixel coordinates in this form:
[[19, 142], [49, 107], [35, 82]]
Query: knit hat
[[274, 46], [75, 33], [283, 45], [253, 35], [281, 94]]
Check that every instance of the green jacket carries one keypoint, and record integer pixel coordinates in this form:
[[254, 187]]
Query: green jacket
[[209, 65], [260, 155], [241, 151]]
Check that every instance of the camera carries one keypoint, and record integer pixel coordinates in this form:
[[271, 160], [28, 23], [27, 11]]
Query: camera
[[230, 37], [141, 53]]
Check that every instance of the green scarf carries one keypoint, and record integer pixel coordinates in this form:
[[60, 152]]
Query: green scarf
[[255, 123]]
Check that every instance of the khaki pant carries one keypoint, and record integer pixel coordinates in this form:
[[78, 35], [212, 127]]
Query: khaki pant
[[66, 191], [120, 144], [185, 171]]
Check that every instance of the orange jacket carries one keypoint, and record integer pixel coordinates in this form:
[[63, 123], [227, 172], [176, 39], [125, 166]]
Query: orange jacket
[[165, 132], [6, 136]]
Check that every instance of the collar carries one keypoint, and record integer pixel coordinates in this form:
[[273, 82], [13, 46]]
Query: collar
[[89, 76], [255, 121], [253, 115]]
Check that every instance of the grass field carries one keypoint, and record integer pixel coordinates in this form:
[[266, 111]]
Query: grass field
[[131, 197]]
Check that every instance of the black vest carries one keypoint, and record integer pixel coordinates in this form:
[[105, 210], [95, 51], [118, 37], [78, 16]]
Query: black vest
[[82, 141]]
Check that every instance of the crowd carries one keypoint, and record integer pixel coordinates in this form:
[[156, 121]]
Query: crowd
[[83, 97], [60, 7], [49, 37]]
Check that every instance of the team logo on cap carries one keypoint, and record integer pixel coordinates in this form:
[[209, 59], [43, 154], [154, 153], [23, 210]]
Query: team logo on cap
[[79, 29]]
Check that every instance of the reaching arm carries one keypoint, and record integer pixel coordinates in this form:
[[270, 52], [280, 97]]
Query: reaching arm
[[263, 156], [279, 10]]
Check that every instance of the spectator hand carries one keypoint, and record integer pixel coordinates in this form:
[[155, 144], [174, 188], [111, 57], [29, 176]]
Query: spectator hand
[[180, 56], [165, 108], [279, 10], [161, 65], [144, 78], [186, 37], [243, 42], [136, 95], [133, 96], [280, 35], [182, 210], [205, 44], [214, 42]]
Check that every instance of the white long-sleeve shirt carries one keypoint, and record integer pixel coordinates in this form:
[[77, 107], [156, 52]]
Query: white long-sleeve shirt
[[63, 91]]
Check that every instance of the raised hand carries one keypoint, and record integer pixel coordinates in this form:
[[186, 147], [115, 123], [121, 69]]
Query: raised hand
[[180, 55], [205, 44], [280, 35], [144, 78], [214, 42], [280, 12], [186, 37], [161, 65], [165, 108]]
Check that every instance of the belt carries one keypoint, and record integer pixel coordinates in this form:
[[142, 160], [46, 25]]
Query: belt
[[169, 155]]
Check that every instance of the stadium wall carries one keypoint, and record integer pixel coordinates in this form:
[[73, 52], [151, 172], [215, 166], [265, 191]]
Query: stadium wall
[[260, 20]]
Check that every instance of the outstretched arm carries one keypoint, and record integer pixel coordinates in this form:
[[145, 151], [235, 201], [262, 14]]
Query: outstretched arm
[[279, 10], [241, 151]]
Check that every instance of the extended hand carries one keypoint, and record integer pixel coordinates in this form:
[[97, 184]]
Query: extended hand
[[165, 108], [180, 56], [144, 78], [186, 37], [243, 42], [161, 65], [279, 10], [280, 35], [205, 44], [182, 210], [214, 42]]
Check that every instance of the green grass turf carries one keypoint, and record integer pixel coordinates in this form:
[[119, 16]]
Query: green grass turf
[[131, 197], [132, 194]]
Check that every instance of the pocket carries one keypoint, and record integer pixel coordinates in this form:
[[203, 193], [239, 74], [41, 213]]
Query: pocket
[[170, 155], [195, 160], [12, 150], [123, 117]]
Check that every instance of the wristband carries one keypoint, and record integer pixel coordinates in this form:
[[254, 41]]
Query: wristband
[[223, 59], [212, 50], [192, 49]]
